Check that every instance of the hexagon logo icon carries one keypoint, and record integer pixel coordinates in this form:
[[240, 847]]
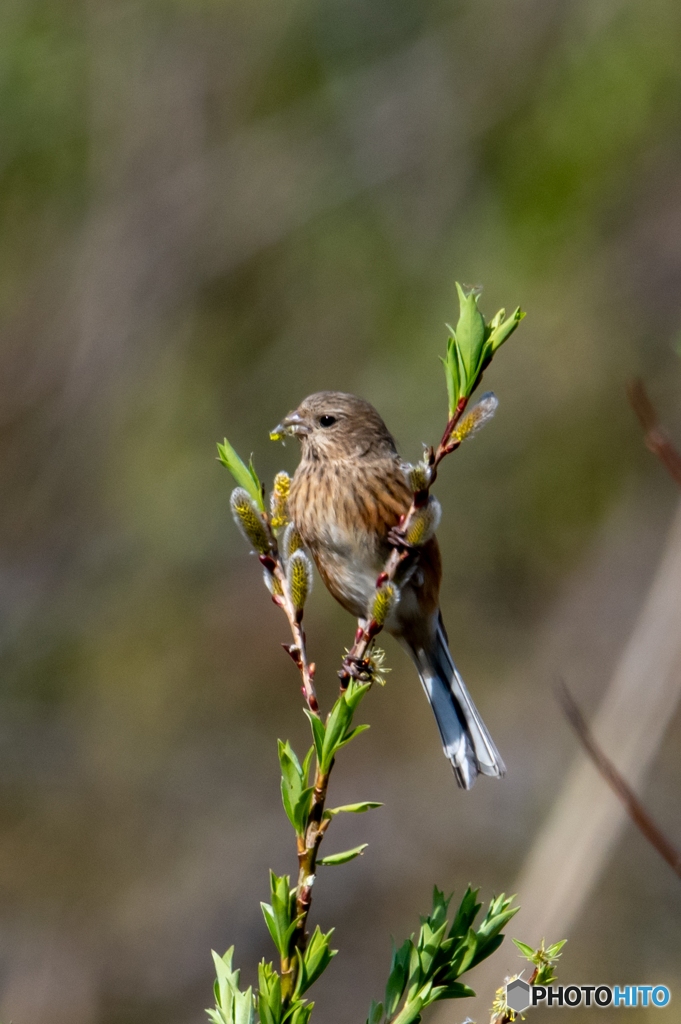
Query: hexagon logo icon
[[518, 995]]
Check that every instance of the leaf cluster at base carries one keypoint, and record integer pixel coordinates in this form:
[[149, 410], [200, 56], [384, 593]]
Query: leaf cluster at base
[[427, 970]]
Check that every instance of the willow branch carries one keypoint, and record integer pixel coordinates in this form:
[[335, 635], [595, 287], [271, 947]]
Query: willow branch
[[297, 650], [308, 844]]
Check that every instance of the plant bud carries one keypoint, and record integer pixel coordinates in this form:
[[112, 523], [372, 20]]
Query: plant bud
[[272, 584], [385, 599], [278, 500], [479, 415], [418, 476], [249, 520], [292, 541], [423, 523], [299, 578]]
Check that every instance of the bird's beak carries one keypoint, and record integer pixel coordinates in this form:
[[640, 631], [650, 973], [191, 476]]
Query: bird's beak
[[291, 425]]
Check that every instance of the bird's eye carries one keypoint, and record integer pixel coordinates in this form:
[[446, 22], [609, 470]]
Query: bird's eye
[[327, 421]]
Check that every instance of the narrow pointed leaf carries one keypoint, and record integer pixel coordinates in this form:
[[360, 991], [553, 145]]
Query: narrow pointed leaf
[[351, 808], [470, 333], [490, 947], [455, 990], [245, 476], [343, 858], [375, 1013], [318, 731], [271, 923], [527, 951], [501, 333]]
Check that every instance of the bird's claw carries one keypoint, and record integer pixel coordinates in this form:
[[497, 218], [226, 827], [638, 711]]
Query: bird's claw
[[397, 538], [356, 668]]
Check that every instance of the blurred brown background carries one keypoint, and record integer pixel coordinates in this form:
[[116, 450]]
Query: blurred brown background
[[208, 210]]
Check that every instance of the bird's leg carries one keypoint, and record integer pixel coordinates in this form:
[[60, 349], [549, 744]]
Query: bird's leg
[[355, 665], [357, 661]]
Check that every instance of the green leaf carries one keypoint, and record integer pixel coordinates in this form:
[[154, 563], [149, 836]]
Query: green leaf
[[455, 990], [217, 1017], [554, 950], [375, 1013], [227, 980], [299, 1013], [295, 798], [306, 765], [469, 945], [397, 979], [317, 957], [527, 951], [466, 914], [499, 913], [269, 994], [469, 335], [290, 765], [491, 946], [452, 379], [440, 908], [271, 922], [244, 1010], [351, 735], [301, 811], [504, 330], [343, 858], [354, 693], [279, 916], [415, 975], [429, 945], [336, 728], [411, 1013], [245, 476], [318, 732], [351, 808], [232, 1005]]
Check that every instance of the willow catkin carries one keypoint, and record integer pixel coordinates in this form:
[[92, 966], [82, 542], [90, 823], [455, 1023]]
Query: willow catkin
[[249, 520]]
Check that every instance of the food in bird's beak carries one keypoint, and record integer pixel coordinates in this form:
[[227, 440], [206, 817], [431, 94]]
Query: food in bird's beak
[[290, 426]]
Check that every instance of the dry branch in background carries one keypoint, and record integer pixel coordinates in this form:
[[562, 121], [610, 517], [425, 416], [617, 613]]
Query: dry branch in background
[[620, 787], [656, 436]]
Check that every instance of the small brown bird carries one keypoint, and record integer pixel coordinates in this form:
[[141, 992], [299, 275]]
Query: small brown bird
[[347, 494]]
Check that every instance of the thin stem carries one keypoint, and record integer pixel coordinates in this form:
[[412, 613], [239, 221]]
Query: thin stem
[[297, 650], [308, 845]]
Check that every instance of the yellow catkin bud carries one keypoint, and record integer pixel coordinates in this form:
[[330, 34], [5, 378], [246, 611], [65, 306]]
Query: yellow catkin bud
[[476, 418], [278, 500], [418, 477], [299, 578], [423, 523], [292, 541], [272, 584], [249, 520], [385, 599]]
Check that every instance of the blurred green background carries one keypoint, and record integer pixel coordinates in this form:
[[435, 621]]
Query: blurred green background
[[207, 211]]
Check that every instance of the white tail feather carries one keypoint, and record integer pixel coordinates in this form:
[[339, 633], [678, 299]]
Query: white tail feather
[[465, 740]]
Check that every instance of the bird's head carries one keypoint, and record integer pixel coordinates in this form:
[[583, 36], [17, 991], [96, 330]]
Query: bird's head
[[336, 426]]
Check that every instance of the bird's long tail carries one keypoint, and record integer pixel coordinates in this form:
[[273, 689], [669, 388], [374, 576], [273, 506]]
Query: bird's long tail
[[465, 739]]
